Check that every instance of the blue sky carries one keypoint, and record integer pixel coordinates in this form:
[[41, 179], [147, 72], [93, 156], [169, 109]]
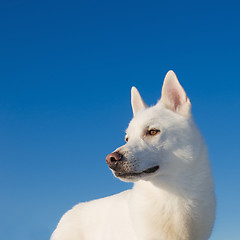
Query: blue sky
[[66, 69]]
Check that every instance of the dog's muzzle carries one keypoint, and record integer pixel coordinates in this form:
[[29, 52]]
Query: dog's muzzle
[[115, 161]]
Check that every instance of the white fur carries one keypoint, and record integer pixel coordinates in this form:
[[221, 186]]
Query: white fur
[[177, 202]]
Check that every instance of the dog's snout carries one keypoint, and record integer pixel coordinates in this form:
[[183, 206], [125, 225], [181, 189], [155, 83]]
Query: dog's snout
[[113, 158]]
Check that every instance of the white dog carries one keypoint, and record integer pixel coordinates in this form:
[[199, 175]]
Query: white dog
[[166, 158]]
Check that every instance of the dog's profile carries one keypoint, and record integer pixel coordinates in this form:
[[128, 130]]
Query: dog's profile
[[173, 194]]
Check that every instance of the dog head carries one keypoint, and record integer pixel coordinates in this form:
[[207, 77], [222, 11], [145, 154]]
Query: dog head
[[160, 140]]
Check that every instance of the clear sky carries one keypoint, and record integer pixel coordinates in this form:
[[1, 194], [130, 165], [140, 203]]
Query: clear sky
[[66, 69]]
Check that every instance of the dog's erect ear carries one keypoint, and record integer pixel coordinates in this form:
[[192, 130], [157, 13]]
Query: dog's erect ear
[[174, 96], [136, 101]]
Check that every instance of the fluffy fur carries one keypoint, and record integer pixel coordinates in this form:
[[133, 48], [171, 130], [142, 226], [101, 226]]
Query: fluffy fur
[[166, 158]]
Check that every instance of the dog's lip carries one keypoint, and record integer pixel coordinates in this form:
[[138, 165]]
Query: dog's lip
[[130, 174], [151, 170]]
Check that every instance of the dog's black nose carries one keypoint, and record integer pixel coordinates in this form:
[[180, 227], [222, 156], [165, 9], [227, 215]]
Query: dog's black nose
[[113, 158]]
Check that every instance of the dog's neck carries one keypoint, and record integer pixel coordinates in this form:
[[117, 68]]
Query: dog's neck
[[162, 214], [168, 212]]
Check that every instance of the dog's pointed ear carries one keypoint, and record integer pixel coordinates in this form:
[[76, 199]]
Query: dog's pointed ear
[[136, 101], [174, 96]]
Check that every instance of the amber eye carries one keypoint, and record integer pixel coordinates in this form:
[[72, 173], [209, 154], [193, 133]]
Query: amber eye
[[126, 139], [153, 132]]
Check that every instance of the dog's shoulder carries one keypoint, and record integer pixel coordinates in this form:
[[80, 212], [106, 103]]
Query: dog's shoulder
[[86, 216]]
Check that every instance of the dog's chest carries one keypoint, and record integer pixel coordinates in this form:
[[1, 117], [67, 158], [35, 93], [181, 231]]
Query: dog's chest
[[167, 222], [164, 218]]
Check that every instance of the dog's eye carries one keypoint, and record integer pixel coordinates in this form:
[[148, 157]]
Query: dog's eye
[[153, 132], [126, 139]]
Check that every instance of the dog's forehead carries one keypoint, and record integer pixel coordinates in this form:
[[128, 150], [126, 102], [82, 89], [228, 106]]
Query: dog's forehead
[[156, 116]]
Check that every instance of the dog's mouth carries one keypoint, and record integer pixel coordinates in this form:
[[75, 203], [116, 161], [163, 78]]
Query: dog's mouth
[[136, 174]]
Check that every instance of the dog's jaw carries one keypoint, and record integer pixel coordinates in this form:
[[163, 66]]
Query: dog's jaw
[[134, 176]]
